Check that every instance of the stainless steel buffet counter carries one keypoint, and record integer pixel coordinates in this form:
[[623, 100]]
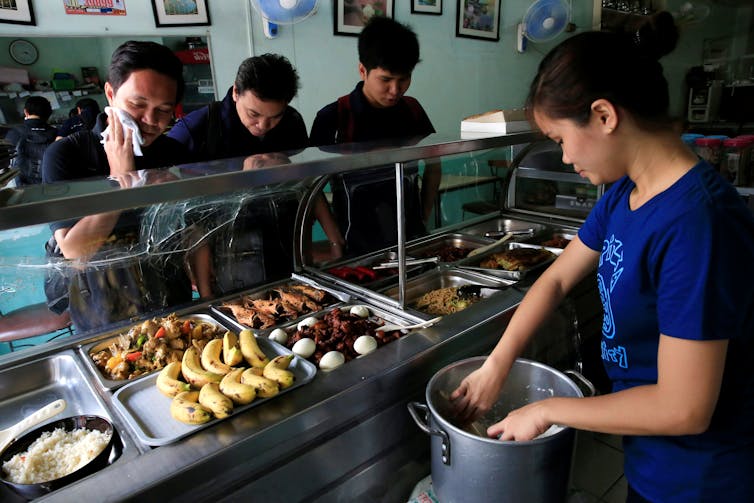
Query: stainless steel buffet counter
[[343, 436]]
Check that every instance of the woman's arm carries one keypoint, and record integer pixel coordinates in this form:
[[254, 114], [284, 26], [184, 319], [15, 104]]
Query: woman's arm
[[682, 402], [479, 391], [323, 214]]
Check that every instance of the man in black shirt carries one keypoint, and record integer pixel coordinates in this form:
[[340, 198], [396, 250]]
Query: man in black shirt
[[31, 140]]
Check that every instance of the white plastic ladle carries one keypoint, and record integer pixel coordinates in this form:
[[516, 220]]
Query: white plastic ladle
[[51, 409], [424, 324]]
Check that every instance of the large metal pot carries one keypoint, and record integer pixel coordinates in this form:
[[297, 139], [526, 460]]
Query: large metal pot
[[467, 466]]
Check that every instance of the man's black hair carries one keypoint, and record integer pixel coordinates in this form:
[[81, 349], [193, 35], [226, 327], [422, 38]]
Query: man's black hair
[[139, 55], [271, 77], [85, 103], [388, 44], [39, 106]]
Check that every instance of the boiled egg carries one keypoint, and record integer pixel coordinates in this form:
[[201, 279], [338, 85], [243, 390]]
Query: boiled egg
[[279, 335], [360, 311], [307, 322], [331, 360], [304, 347], [365, 344]]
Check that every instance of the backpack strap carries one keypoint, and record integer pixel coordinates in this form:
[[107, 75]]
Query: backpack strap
[[346, 125], [214, 130]]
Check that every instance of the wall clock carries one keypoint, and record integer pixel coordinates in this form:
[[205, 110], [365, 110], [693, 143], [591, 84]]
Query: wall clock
[[23, 52]]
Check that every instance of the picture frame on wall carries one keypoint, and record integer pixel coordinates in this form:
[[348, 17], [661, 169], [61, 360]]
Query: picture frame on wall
[[17, 12], [169, 13], [426, 7], [478, 19], [350, 16]]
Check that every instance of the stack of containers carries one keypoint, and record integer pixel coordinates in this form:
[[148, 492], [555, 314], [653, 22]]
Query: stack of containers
[[735, 160], [709, 148]]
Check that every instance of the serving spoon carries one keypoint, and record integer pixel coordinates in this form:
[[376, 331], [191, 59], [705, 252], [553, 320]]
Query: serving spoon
[[423, 324], [51, 409], [482, 249]]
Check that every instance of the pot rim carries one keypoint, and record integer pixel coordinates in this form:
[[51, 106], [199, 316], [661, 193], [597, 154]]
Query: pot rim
[[444, 423]]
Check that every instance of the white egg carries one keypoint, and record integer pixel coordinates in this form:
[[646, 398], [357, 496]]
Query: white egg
[[307, 322], [331, 360], [365, 344], [304, 347], [360, 311], [279, 335]]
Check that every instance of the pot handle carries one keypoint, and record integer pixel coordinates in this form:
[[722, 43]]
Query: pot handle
[[424, 425], [581, 381]]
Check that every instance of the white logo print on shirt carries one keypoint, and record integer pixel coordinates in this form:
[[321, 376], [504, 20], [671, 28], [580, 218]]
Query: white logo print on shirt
[[612, 253]]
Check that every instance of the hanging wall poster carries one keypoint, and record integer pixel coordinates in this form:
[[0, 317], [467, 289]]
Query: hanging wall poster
[[352, 15], [180, 13], [478, 19], [96, 7], [17, 12], [426, 7]]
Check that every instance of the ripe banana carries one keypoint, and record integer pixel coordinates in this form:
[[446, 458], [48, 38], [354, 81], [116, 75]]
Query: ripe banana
[[186, 409], [266, 388], [231, 352], [277, 370], [211, 357], [167, 380], [251, 351], [212, 398], [193, 372], [232, 387]]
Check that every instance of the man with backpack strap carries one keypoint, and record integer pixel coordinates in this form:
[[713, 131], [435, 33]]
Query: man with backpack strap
[[31, 140], [377, 109]]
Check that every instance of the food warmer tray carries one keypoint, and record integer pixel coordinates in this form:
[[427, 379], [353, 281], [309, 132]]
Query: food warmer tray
[[387, 276], [497, 227], [431, 246], [147, 410], [443, 278], [227, 317], [472, 263], [102, 343]]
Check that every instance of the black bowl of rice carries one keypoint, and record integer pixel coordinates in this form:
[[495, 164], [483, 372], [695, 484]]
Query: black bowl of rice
[[56, 454]]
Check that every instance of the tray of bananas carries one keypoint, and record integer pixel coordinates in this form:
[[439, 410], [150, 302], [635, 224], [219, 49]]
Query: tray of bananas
[[228, 376]]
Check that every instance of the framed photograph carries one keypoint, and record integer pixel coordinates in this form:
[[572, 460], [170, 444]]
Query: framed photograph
[[478, 19], [180, 13], [426, 7], [17, 12], [351, 15]]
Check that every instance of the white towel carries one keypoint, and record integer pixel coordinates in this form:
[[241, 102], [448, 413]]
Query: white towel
[[127, 122]]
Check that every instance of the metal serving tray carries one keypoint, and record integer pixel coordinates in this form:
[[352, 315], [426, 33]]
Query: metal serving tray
[[226, 315], [110, 384], [557, 232], [29, 387], [499, 226], [443, 278], [432, 246], [147, 410], [472, 264], [387, 276]]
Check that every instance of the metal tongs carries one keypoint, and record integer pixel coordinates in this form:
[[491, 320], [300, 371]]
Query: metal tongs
[[475, 291], [424, 324], [515, 232], [410, 261]]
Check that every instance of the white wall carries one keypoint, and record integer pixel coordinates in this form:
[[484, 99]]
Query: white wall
[[457, 76]]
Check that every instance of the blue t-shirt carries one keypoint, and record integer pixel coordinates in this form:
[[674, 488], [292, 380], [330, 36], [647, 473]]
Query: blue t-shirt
[[682, 265]]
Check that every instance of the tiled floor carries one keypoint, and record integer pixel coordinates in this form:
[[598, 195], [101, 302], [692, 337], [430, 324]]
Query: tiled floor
[[597, 469]]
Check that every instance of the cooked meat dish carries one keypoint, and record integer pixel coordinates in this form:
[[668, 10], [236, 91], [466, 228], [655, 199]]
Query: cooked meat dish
[[153, 344], [517, 259], [449, 253], [278, 305], [337, 331], [557, 241]]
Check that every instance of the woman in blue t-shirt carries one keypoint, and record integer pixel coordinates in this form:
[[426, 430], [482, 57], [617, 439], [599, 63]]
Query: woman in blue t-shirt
[[673, 246]]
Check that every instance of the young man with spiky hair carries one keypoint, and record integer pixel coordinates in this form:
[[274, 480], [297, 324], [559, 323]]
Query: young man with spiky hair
[[378, 110]]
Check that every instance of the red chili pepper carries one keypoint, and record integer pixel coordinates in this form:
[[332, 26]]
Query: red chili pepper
[[368, 272], [132, 357], [160, 333], [186, 328]]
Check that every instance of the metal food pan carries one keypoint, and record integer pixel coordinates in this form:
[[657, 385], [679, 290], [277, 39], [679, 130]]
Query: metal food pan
[[225, 314], [110, 384], [28, 387], [497, 227], [386, 276], [557, 232], [472, 264], [147, 410], [444, 278], [431, 247]]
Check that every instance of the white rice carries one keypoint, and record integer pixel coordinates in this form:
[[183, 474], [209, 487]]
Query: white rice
[[55, 454]]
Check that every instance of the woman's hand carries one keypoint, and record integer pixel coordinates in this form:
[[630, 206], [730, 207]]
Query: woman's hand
[[525, 423], [119, 146], [477, 393]]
